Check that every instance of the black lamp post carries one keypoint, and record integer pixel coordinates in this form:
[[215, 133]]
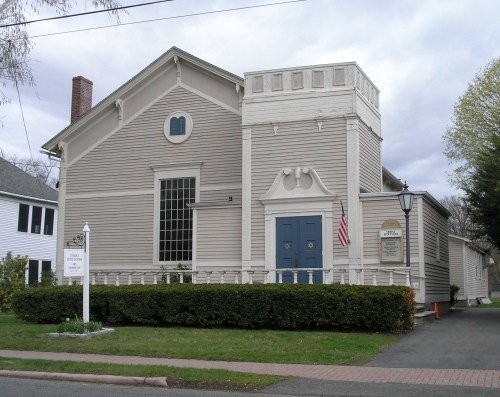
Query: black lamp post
[[406, 202]]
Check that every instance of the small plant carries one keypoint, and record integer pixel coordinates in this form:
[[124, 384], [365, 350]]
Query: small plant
[[453, 295], [48, 278], [175, 278], [77, 326]]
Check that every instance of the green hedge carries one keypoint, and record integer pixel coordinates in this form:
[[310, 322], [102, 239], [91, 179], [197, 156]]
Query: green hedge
[[273, 306]]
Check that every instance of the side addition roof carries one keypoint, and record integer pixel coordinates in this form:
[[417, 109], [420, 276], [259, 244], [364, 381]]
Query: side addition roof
[[16, 182]]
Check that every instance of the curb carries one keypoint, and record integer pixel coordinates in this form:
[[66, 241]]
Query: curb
[[108, 379]]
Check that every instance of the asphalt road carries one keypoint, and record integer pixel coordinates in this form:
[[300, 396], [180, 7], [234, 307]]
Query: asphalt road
[[467, 339], [18, 387]]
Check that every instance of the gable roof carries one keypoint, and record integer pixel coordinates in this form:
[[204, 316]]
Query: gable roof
[[169, 56], [16, 182]]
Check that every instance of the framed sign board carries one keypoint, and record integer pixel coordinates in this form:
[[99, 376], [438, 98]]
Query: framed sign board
[[391, 242], [73, 262]]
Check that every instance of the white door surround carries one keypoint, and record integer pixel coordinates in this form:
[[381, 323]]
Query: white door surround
[[297, 191]]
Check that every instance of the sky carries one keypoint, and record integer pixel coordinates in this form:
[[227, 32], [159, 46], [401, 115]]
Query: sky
[[420, 54]]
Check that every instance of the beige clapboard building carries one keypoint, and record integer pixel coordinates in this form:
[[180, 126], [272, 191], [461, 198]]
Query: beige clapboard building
[[242, 180]]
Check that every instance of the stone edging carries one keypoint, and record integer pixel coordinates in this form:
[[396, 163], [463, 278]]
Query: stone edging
[[103, 331]]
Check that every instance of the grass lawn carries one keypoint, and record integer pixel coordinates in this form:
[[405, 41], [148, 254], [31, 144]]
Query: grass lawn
[[205, 344], [176, 377], [495, 304]]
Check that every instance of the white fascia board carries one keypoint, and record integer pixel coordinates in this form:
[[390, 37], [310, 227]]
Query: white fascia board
[[28, 198]]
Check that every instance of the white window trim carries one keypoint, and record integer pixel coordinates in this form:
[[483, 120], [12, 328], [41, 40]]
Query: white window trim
[[39, 265], [173, 171], [187, 132], [42, 220]]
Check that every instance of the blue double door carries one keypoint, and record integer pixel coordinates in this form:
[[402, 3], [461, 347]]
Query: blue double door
[[299, 245]]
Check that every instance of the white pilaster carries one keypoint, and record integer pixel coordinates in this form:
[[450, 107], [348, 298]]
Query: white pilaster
[[61, 212], [246, 200], [353, 203]]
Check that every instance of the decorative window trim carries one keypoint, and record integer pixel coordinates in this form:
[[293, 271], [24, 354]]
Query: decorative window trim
[[178, 137], [173, 171]]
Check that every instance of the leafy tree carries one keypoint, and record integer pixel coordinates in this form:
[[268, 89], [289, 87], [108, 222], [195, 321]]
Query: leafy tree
[[11, 279], [460, 221], [476, 120], [483, 196], [15, 44]]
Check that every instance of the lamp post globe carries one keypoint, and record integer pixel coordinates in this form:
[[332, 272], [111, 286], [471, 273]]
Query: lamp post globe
[[406, 202]]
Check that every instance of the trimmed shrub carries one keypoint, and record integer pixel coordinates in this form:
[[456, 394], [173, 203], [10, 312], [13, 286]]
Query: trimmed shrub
[[272, 306]]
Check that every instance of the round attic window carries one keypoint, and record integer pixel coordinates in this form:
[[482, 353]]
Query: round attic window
[[178, 127]]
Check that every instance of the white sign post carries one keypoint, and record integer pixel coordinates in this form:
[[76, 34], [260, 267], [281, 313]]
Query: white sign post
[[86, 232]]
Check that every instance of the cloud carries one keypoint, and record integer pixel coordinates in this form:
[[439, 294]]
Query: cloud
[[421, 55]]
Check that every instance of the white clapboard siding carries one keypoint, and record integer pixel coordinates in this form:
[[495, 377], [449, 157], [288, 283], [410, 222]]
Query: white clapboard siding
[[437, 272], [219, 234], [375, 212], [122, 162], [370, 164], [368, 114], [322, 105], [467, 269], [457, 275], [34, 246], [221, 194], [296, 144], [121, 230]]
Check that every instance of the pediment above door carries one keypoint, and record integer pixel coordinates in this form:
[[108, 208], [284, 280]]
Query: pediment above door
[[297, 184]]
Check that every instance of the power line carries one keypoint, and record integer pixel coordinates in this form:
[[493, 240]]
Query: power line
[[167, 18], [84, 13], [24, 121]]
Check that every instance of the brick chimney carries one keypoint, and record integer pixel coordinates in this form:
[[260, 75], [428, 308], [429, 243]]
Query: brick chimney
[[81, 97]]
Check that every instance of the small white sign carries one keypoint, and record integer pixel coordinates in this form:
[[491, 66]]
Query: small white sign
[[391, 233], [73, 262]]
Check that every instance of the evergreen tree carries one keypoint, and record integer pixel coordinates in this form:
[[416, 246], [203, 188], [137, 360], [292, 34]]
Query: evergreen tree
[[483, 196]]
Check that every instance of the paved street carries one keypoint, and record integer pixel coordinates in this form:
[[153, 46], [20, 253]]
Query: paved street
[[19, 387], [464, 339]]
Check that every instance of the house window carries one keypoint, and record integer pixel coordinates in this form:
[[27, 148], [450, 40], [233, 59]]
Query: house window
[[32, 272], [22, 222], [36, 220], [46, 270], [177, 127], [48, 225], [176, 219]]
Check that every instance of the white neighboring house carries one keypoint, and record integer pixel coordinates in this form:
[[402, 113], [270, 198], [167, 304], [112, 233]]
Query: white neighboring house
[[468, 269], [28, 209]]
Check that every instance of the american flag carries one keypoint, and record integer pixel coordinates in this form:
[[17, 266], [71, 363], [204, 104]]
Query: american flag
[[343, 233]]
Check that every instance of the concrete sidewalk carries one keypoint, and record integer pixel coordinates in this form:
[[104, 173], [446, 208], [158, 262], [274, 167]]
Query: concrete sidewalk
[[415, 376]]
